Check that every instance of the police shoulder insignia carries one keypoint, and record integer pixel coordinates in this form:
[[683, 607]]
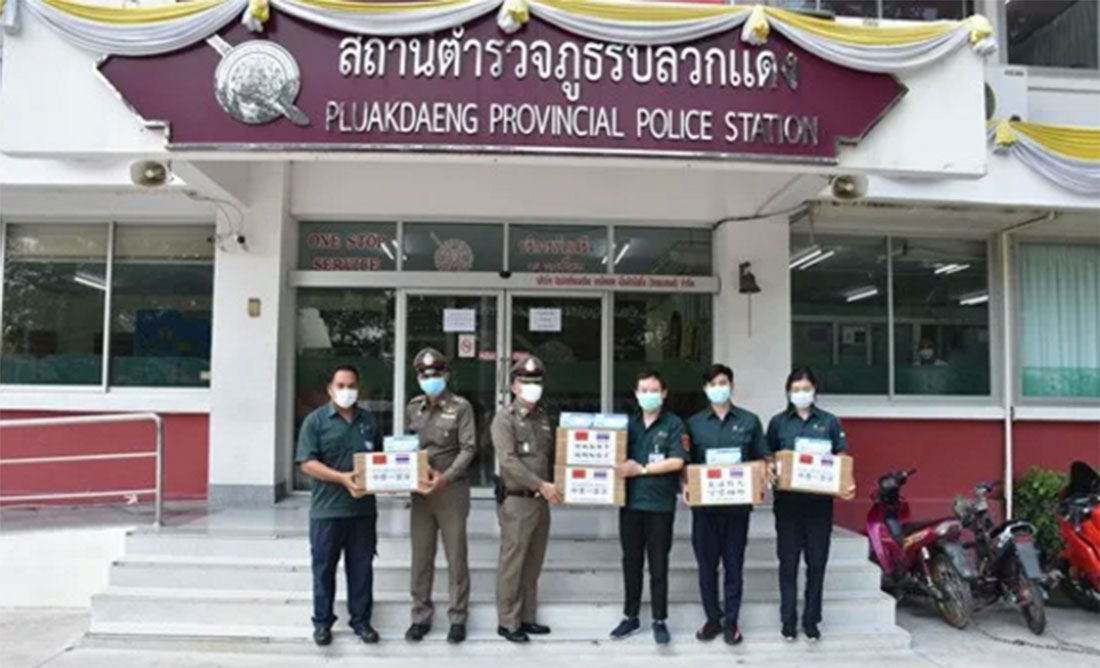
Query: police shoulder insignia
[[685, 441]]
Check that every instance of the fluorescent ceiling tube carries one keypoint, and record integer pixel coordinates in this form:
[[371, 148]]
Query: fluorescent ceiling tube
[[820, 258], [974, 298], [88, 280], [861, 293], [619, 257], [803, 256], [950, 268]]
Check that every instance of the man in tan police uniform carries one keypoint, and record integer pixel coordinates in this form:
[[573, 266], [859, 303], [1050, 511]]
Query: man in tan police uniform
[[524, 444], [445, 423]]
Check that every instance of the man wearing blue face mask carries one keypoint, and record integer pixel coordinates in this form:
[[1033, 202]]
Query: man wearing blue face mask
[[657, 447], [445, 423]]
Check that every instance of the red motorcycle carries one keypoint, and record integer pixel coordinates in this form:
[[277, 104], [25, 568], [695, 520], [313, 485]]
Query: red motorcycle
[[1079, 526], [919, 557]]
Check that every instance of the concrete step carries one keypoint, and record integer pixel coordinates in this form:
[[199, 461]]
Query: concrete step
[[561, 579], [252, 544], [282, 615]]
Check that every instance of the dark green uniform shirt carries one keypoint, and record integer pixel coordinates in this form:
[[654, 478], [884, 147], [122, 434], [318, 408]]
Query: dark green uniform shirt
[[664, 439], [739, 431], [330, 439], [787, 426]]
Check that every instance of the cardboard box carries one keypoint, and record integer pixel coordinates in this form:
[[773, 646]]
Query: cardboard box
[[813, 473], [391, 472], [726, 484], [590, 486], [590, 447]]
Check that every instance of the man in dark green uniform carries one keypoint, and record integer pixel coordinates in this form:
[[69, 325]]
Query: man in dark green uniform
[[657, 447], [342, 518], [722, 434], [445, 423]]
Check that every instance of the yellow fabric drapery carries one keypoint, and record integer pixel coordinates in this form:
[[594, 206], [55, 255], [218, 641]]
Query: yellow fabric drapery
[[1073, 142], [132, 15], [355, 6]]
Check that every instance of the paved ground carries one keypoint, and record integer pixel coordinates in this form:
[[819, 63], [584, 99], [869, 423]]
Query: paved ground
[[44, 637]]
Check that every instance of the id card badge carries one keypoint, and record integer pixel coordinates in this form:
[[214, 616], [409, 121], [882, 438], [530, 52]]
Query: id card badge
[[656, 458], [813, 446], [724, 456]]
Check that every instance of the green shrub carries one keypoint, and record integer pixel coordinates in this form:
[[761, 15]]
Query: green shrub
[[1034, 500]]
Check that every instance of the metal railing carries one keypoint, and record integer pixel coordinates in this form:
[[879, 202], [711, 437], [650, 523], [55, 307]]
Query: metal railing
[[157, 455]]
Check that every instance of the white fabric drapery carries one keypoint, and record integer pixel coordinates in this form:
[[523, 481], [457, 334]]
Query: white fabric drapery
[[399, 22]]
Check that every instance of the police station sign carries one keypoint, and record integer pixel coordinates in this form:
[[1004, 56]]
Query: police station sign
[[474, 88]]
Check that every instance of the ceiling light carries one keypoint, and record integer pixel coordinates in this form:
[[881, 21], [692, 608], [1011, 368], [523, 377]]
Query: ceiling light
[[386, 249], [88, 280], [861, 293], [619, 257], [820, 258], [803, 256], [974, 298], [950, 268]]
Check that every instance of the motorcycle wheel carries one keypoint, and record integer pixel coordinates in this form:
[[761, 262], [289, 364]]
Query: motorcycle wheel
[[1030, 598], [1087, 598], [957, 604]]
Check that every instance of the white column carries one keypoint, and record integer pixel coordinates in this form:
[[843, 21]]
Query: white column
[[247, 409], [761, 355]]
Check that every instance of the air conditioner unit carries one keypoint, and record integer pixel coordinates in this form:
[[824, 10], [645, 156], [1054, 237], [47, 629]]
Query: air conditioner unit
[[1006, 92]]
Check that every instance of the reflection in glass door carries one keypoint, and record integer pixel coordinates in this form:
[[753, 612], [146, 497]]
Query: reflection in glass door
[[464, 328], [566, 334]]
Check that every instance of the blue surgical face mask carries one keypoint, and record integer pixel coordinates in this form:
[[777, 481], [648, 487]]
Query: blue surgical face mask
[[433, 386], [717, 394], [649, 401]]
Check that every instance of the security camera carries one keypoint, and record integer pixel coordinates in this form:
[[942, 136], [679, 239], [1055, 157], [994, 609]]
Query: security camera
[[149, 173], [504, 273], [239, 238], [847, 187]]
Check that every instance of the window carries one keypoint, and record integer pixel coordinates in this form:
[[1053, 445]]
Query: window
[[453, 247], [866, 8], [347, 246], [161, 290], [55, 287], [344, 327], [652, 250], [1052, 33], [941, 316], [1059, 320], [907, 10], [838, 311], [667, 332], [558, 249]]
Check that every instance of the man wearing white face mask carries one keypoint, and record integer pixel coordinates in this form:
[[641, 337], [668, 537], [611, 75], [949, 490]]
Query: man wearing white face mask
[[524, 444], [342, 518], [657, 448], [445, 423]]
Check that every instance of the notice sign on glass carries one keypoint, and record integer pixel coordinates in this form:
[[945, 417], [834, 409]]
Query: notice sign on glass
[[459, 320], [545, 319]]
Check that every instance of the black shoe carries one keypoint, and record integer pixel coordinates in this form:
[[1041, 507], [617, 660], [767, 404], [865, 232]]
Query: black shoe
[[626, 627], [512, 636], [732, 635], [534, 629], [790, 633], [708, 631], [812, 632], [417, 632], [457, 634], [660, 633], [322, 635], [367, 634]]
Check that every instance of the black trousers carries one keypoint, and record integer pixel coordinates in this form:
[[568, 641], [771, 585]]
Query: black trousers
[[645, 535], [804, 527], [356, 537], [720, 537]]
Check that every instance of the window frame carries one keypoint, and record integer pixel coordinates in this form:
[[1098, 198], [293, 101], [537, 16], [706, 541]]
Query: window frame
[[104, 386], [1000, 15]]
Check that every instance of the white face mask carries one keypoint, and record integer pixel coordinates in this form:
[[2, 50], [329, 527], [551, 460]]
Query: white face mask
[[927, 353], [345, 397], [802, 399], [530, 392]]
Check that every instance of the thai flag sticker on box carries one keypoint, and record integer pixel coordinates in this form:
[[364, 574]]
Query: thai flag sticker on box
[[391, 472], [590, 447], [727, 485], [817, 473], [584, 485]]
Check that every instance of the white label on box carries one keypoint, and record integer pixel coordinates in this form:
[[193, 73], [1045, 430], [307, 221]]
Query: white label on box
[[815, 446], [590, 447], [459, 320], [595, 486], [402, 443], [726, 486], [816, 473], [391, 472], [724, 456], [545, 319], [610, 421], [574, 420]]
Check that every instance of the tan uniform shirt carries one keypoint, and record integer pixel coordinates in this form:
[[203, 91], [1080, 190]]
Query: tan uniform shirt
[[447, 432], [524, 445]]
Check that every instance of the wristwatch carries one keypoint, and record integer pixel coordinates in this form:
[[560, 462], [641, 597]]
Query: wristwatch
[[645, 470]]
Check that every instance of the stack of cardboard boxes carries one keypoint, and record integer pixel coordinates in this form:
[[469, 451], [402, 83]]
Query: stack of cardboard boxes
[[589, 447], [399, 469]]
